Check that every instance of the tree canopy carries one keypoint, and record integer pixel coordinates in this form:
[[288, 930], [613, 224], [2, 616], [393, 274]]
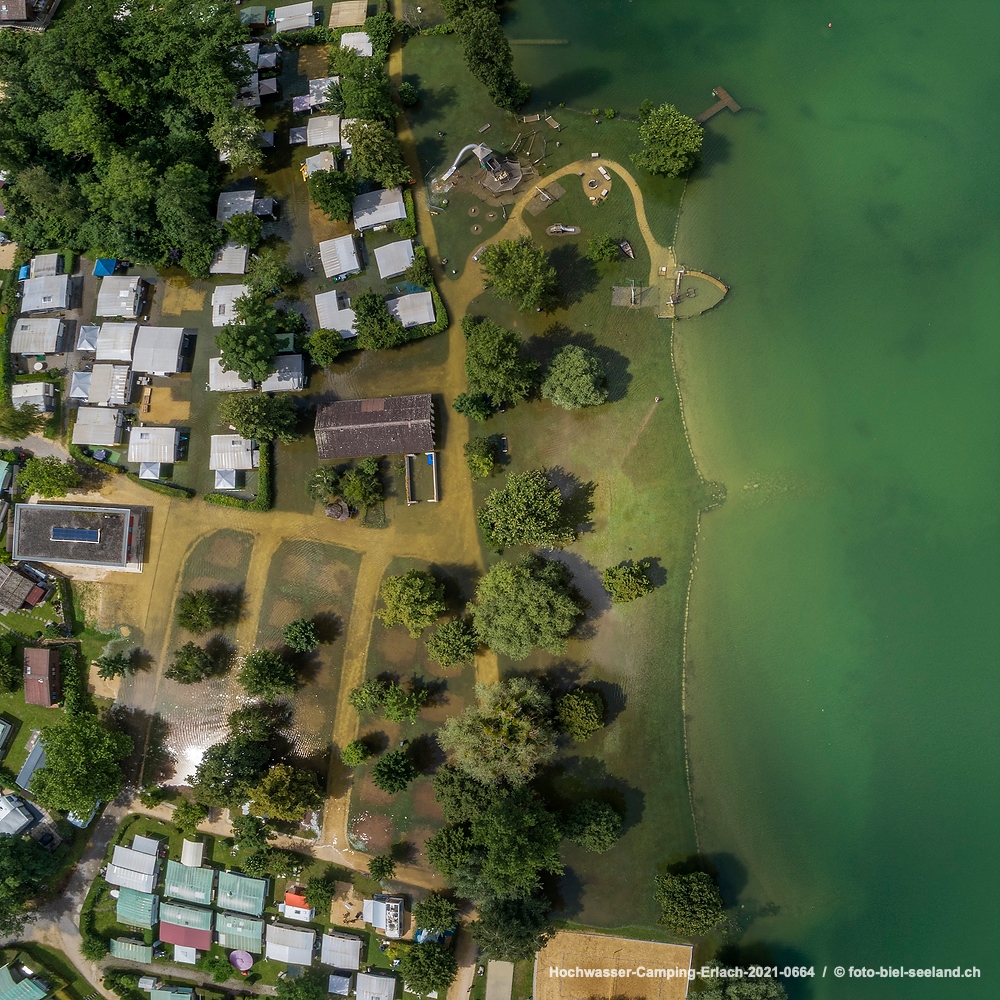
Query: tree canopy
[[453, 643], [435, 913], [260, 417], [332, 192], [428, 966], [603, 249], [268, 675], [519, 270], [627, 582], [481, 456], [201, 610], [595, 826], [25, 868], [325, 346], [286, 792], [575, 378], [356, 753], [495, 363], [250, 342], [375, 153], [82, 765], [512, 930], [526, 604], [580, 713], [391, 698], [393, 771], [375, 326], [414, 599], [118, 664], [671, 142], [488, 55], [505, 736], [112, 126], [190, 664], [691, 904], [381, 868], [311, 985], [301, 635], [17, 422], [48, 477], [228, 770], [526, 510]]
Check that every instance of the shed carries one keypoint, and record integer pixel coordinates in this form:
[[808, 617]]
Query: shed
[[339, 985], [158, 350], [104, 267], [289, 944], [46, 295], [294, 17], [15, 817], [370, 986], [131, 950], [320, 161], [114, 342], [146, 845], [120, 295], [318, 89], [414, 309], [188, 926], [110, 385], [239, 933], [192, 853], [384, 913], [220, 380], [41, 676], [394, 258], [46, 265], [357, 428], [234, 203], [230, 451], [342, 951], [231, 259], [377, 208], [193, 885], [224, 301], [40, 394], [288, 375], [34, 762], [323, 130], [37, 336], [98, 426], [357, 40], [14, 590], [79, 386], [339, 257], [137, 909], [334, 311], [153, 444], [16, 10], [241, 893], [86, 338]]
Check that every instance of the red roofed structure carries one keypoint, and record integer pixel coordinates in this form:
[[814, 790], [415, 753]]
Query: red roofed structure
[[293, 898]]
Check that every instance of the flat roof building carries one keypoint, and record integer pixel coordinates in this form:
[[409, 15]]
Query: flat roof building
[[15, 817], [41, 676], [333, 309], [231, 259], [230, 451], [220, 380], [294, 17], [35, 761], [133, 869], [110, 385], [153, 444], [370, 986], [394, 258], [120, 295], [414, 309], [46, 265], [339, 257], [359, 428], [234, 203], [40, 394], [46, 295], [357, 40], [192, 885], [378, 208], [157, 350], [114, 342], [290, 945], [241, 894], [224, 302], [131, 950], [385, 914], [37, 336], [187, 926], [323, 130], [289, 374], [79, 535], [98, 426], [341, 951]]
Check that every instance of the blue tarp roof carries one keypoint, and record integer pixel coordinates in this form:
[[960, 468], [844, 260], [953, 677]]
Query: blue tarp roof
[[105, 266], [25, 272]]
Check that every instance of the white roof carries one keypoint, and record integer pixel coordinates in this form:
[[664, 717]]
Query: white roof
[[339, 256], [230, 451], [334, 313], [341, 951], [185, 955], [289, 944], [149, 470], [146, 845], [384, 913], [318, 89], [114, 342], [234, 203], [225, 479], [319, 161], [86, 339], [158, 350], [231, 259], [357, 40], [323, 130], [36, 336], [45, 265], [373, 987], [128, 879], [219, 380], [394, 258], [375, 208], [110, 385], [192, 851], [223, 299], [412, 309], [294, 16], [119, 295], [133, 860], [79, 386], [98, 425], [49, 294], [152, 444], [40, 394], [288, 375]]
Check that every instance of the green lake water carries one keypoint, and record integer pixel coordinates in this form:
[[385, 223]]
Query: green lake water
[[844, 642]]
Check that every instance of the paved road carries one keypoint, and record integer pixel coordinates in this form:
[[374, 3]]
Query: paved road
[[37, 445]]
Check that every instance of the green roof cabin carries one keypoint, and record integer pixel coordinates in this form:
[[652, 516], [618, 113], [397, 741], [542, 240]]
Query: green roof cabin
[[132, 950], [193, 885], [239, 933], [241, 894], [17, 982], [137, 909]]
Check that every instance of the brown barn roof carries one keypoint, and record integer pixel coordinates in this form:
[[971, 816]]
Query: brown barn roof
[[14, 589], [358, 428], [41, 676], [16, 10]]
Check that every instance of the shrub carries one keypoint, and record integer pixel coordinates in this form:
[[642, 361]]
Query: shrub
[[481, 456], [691, 904], [627, 582], [301, 635], [595, 826], [580, 713], [453, 642], [393, 771], [408, 94], [188, 815], [381, 868], [356, 753], [93, 948]]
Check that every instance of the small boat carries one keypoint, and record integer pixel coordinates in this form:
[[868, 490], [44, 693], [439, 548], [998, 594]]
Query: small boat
[[626, 249], [559, 229]]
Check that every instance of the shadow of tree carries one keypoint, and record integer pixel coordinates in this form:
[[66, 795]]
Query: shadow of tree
[[426, 754], [570, 779], [328, 627], [459, 582], [578, 498], [577, 274]]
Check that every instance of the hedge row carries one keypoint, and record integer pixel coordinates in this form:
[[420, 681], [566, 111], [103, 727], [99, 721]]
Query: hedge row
[[265, 489], [166, 489]]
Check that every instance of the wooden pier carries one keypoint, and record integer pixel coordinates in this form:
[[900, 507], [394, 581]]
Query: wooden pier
[[724, 101]]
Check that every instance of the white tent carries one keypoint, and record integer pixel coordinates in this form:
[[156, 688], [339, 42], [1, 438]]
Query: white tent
[[119, 295], [132, 869], [413, 309], [357, 40], [114, 342], [192, 853], [79, 386], [335, 313], [158, 350], [153, 444], [288, 944], [223, 301], [36, 336], [225, 479], [219, 380], [339, 257], [86, 339], [230, 451], [394, 258], [288, 374], [150, 470], [384, 913], [146, 845]]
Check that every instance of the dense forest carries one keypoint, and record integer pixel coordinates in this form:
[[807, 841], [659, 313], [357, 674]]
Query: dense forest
[[112, 125]]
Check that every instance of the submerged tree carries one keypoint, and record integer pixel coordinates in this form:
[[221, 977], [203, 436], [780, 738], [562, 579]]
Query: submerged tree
[[671, 142], [519, 270], [575, 378], [415, 600]]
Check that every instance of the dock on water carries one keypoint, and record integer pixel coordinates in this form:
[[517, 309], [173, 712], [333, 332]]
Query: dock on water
[[724, 101]]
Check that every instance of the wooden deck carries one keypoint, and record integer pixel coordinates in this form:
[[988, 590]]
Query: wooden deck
[[724, 101]]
